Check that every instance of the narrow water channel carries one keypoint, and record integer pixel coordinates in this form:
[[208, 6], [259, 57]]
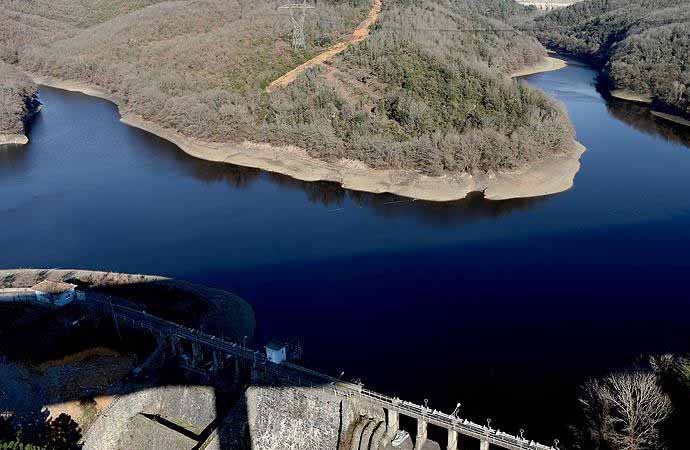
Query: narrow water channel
[[503, 306]]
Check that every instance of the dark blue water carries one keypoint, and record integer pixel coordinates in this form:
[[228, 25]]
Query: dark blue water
[[503, 306]]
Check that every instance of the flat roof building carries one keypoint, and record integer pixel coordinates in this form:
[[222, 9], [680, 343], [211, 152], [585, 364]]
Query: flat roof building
[[54, 293], [276, 351]]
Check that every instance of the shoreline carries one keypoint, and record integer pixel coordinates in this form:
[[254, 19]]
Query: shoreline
[[551, 175], [548, 64], [671, 118], [647, 100], [630, 96], [13, 139], [145, 289]]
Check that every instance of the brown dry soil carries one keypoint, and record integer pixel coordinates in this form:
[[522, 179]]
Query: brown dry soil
[[360, 33], [548, 64]]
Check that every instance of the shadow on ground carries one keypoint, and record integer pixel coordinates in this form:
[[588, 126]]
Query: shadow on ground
[[125, 387]]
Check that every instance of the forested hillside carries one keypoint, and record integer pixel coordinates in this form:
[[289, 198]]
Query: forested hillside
[[416, 95], [17, 99], [642, 45]]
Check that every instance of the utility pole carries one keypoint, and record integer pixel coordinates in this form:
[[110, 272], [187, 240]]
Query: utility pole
[[298, 12]]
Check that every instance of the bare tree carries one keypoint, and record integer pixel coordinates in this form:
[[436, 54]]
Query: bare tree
[[625, 411], [671, 367]]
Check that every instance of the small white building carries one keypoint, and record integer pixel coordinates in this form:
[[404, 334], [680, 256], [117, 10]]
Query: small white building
[[55, 293], [276, 351]]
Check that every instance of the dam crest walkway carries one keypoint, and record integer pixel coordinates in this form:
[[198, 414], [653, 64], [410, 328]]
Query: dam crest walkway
[[302, 376]]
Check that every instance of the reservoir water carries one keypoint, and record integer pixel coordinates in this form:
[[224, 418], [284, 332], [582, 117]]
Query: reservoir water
[[503, 306]]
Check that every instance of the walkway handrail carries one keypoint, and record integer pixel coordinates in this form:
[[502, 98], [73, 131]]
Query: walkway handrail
[[341, 388]]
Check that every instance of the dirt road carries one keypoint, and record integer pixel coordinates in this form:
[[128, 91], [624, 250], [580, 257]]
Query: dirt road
[[358, 35]]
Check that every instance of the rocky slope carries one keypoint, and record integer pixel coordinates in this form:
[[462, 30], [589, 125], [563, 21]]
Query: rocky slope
[[18, 103]]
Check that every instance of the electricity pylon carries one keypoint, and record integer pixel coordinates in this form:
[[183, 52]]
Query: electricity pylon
[[298, 12]]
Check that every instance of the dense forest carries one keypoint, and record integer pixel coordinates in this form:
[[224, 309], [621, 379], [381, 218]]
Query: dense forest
[[17, 99], [641, 45], [427, 91], [418, 95]]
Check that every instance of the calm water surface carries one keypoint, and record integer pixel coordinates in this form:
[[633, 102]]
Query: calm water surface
[[503, 306]]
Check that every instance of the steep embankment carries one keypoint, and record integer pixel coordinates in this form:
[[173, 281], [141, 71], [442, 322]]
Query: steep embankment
[[18, 103], [642, 47]]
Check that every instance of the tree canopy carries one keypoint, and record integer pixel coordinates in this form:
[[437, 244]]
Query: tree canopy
[[427, 91], [36, 430], [17, 99], [641, 45]]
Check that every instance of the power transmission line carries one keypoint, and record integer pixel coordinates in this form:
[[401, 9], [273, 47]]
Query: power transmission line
[[298, 12], [517, 29]]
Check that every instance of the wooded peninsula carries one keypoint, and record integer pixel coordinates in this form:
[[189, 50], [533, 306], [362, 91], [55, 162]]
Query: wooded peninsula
[[411, 98], [426, 93]]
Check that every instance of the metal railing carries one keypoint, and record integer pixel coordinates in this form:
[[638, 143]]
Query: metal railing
[[312, 378]]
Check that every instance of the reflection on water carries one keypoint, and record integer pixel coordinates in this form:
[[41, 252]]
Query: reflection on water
[[209, 172], [641, 118], [519, 299], [472, 208], [13, 159], [332, 195]]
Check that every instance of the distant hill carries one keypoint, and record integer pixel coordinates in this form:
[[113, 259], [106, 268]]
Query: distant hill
[[415, 95], [641, 45]]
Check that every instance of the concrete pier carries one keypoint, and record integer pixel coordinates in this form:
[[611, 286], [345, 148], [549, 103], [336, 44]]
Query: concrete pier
[[217, 361], [483, 445], [196, 354], [422, 426], [393, 422], [237, 370], [452, 440]]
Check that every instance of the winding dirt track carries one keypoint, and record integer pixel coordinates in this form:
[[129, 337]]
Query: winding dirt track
[[361, 33]]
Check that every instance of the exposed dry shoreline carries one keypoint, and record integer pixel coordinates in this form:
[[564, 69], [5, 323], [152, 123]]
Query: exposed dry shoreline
[[549, 176], [548, 64], [13, 139], [671, 118], [647, 99], [623, 94]]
